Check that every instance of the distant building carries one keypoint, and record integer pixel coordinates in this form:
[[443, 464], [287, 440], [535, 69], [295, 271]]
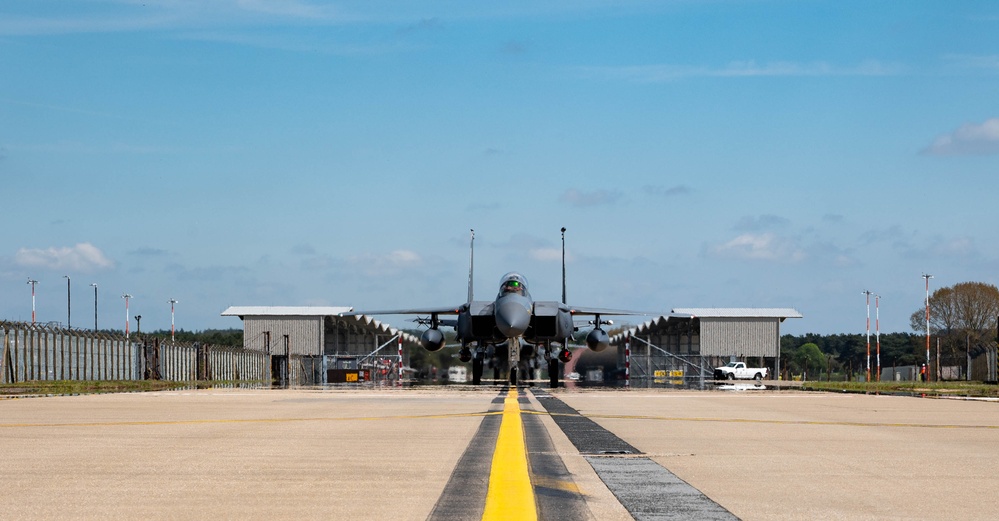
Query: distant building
[[305, 342]]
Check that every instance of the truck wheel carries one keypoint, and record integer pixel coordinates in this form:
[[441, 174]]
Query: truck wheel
[[758, 377], [731, 376]]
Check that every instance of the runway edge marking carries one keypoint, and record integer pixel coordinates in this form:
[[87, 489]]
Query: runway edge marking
[[644, 487]]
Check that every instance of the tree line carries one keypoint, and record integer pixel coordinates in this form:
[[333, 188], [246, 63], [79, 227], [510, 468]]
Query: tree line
[[963, 323]]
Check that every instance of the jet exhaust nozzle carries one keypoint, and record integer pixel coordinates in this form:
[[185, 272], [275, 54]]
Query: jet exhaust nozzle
[[432, 340]]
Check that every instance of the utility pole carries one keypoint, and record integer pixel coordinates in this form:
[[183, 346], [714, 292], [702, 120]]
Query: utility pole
[[32, 282], [927, 277], [868, 293], [69, 303], [126, 296], [95, 306], [172, 302], [877, 329]]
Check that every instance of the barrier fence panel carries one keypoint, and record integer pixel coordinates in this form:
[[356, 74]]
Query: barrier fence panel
[[34, 352]]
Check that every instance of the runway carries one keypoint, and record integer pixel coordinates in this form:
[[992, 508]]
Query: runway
[[428, 453]]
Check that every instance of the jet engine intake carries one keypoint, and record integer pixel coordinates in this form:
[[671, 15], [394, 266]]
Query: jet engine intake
[[432, 340]]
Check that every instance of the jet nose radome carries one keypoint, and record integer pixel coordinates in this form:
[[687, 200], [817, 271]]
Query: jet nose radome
[[512, 318]]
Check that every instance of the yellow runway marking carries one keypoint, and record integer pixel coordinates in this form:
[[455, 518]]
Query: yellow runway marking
[[510, 494], [248, 420]]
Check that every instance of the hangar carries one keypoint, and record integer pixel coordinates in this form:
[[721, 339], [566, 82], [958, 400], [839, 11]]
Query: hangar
[[314, 345], [691, 341]]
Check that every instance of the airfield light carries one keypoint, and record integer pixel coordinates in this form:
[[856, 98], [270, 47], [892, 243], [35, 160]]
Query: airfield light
[[172, 302], [927, 277], [69, 300], [32, 282], [95, 306], [868, 293], [126, 296]]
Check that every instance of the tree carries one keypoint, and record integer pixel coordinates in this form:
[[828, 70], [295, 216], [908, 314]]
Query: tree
[[960, 315], [810, 357]]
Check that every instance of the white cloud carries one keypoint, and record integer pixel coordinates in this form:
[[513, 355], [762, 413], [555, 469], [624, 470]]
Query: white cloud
[[83, 257], [969, 139], [766, 246]]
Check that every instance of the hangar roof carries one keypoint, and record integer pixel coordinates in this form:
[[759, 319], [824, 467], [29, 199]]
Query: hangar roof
[[739, 312], [682, 314], [314, 311], [298, 311]]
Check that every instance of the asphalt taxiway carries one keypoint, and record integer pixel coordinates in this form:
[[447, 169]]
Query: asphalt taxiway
[[427, 453]]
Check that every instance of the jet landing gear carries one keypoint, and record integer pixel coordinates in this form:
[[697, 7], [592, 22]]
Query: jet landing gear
[[564, 356], [478, 361]]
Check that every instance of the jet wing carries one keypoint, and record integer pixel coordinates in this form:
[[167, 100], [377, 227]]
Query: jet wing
[[580, 310], [410, 311]]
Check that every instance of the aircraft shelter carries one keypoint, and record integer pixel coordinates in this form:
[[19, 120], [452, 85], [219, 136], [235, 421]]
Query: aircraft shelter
[[693, 340], [314, 345]]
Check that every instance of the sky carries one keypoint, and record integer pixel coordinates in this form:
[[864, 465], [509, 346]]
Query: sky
[[302, 153]]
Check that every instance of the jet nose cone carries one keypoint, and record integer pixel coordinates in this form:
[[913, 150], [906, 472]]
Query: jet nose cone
[[512, 318]]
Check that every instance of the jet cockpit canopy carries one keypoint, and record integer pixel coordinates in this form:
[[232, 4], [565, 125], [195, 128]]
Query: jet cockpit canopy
[[513, 283]]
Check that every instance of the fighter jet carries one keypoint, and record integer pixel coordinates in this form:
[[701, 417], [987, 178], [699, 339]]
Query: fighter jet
[[512, 328]]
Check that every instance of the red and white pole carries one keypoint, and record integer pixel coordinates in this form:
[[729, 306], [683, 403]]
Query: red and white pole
[[627, 360], [877, 329], [126, 296], [399, 380], [868, 293], [32, 282], [927, 277], [172, 328]]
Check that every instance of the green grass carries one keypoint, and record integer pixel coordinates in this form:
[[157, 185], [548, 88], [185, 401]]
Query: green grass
[[971, 389]]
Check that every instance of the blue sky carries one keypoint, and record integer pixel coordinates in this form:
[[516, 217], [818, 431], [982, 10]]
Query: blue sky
[[700, 153]]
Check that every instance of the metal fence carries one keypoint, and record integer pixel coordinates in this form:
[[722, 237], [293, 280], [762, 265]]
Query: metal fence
[[36, 352]]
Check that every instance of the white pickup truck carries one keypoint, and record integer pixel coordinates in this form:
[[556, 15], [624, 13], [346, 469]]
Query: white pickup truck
[[739, 371]]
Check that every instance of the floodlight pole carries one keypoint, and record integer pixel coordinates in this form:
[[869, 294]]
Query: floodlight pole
[[32, 282], [69, 301], [95, 306], [868, 293], [126, 296], [172, 302], [877, 329], [563, 267], [927, 277]]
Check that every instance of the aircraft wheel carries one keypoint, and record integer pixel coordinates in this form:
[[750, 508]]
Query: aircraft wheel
[[513, 376], [553, 373]]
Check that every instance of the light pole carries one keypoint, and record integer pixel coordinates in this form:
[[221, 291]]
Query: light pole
[[877, 329], [95, 306], [172, 329], [927, 277], [32, 282], [868, 293], [69, 303], [126, 296]]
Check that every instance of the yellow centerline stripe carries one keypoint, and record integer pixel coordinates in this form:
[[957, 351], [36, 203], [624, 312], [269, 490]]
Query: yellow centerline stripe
[[510, 494]]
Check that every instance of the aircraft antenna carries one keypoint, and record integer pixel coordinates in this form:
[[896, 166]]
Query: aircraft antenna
[[471, 263], [563, 265]]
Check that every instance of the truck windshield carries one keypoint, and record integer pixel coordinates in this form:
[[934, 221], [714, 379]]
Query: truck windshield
[[732, 364]]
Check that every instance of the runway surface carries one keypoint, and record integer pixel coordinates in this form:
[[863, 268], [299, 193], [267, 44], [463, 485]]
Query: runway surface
[[428, 453]]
